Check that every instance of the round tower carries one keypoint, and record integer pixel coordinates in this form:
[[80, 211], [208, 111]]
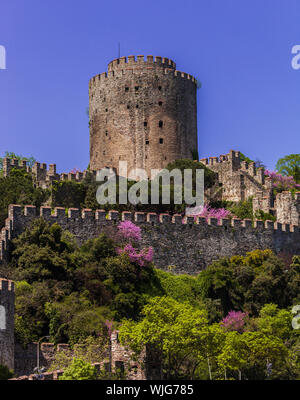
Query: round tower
[[143, 112], [7, 309]]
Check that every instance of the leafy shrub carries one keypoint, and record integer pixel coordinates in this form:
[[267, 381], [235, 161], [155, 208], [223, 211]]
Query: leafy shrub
[[5, 372]]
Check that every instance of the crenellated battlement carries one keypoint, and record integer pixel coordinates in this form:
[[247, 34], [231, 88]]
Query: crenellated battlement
[[41, 173], [198, 241], [140, 61], [60, 214], [131, 65]]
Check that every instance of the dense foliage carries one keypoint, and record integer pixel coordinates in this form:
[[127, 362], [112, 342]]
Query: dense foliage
[[18, 188], [197, 324], [289, 166], [231, 321]]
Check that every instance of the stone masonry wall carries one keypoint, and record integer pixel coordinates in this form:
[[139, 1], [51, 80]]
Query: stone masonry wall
[[239, 180], [188, 246], [287, 208]]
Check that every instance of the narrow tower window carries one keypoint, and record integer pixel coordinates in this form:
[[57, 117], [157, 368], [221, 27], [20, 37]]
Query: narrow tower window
[[145, 123], [136, 88], [160, 124], [160, 103], [147, 141], [126, 89], [161, 140], [159, 87]]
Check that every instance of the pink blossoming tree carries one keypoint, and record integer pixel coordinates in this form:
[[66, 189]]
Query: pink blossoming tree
[[282, 182], [234, 321], [131, 233]]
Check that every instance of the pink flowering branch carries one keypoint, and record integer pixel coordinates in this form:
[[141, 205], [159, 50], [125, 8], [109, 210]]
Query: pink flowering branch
[[141, 258], [281, 182], [209, 212], [129, 231], [234, 321]]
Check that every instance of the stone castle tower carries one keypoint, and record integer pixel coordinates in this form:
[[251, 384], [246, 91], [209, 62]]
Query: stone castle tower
[[7, 309], [143, 112]]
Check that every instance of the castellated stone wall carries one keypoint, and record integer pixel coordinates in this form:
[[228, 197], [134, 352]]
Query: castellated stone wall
[[43, 176], [143, 112], [238, 179], [189, 247], [7, 310]]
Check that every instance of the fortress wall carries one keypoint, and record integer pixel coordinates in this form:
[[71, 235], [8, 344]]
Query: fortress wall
[[188, 246]]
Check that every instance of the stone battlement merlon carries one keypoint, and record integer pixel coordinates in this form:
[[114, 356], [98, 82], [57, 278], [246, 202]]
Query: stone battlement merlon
[[6, 285]]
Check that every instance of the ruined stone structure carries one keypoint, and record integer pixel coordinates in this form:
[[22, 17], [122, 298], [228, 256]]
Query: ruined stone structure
[[143, 112], [7, 302], [188, 246], [120, 358]]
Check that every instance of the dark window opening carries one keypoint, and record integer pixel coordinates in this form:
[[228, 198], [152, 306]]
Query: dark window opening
[[136, 88], [137, 106], [128, 106], [126, 89], [161, 140], [147, 141], [159, 87], [120, 366], [160, 124], [106, 110], [106, 133], [145, 123], [160, 103]]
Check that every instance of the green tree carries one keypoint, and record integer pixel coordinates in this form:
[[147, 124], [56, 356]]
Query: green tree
[[43, 252], [250, 352], [175, 330], [275, 322], [79, 370], [289, 166], [18, 188]]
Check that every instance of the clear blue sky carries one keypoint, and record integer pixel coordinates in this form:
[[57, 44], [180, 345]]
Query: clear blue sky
[[239, 49]]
